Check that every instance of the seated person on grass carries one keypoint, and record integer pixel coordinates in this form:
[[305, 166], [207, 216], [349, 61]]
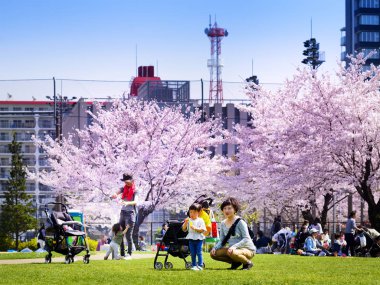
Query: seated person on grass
[[262, 243], [311, 244]]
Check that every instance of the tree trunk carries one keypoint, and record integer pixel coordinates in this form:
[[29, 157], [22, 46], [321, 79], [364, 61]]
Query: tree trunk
[[307, 215], [17, 240], [142, 213], [327, 199], [373, 208], [374, 215]]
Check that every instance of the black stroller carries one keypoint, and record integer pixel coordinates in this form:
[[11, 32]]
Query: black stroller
[[363, 243], [176, 245], [64, 235]]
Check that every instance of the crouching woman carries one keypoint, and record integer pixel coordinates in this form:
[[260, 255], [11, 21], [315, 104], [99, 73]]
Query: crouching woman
[[235, 245]]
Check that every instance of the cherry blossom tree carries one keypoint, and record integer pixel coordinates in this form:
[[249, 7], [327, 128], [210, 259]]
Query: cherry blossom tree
[[318, 133], [165, 148]]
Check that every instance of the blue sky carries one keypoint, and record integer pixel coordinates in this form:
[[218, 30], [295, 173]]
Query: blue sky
[[94, 39]]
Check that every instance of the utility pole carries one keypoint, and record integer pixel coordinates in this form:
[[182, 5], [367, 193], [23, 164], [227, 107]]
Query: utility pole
[[202, 102]]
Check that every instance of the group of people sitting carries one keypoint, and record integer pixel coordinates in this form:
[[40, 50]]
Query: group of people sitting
[[312, 240]]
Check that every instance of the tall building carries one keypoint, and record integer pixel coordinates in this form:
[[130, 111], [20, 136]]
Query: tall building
[[362, 30], [230, 115], [35, 118]]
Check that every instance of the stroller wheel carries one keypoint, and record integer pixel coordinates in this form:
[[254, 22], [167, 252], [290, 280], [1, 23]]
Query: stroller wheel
[[168, 265], [158, 266], [86, 259], [68, 259], [188, 265], [204, 265]]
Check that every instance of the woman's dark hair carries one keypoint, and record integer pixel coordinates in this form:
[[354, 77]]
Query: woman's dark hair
[[337, 236], [116, 228], [352, 214], [231, 201], [196, 207], [317, 221]]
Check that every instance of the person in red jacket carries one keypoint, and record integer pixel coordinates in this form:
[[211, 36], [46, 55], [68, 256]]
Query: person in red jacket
[[128, 211]]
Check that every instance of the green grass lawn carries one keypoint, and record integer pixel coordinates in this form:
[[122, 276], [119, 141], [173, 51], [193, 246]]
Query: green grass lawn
[[31, 255], [268, 269]]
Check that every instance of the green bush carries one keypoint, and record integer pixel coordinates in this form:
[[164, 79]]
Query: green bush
[[92, 244], [6, 243], [32, 244]]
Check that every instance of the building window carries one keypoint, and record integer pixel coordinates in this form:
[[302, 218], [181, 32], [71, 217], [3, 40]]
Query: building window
[[369, 20], [17, 124], [3, 108], [29, 149], [4, 124], [29, 109], [46, 124], [376, 55], [369, 4], [4, 173], [369, 36], [17, 109], [4, 161], [29, 123], [4, 137]]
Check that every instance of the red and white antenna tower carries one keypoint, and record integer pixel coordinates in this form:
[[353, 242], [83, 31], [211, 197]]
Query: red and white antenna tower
[[215, 34]]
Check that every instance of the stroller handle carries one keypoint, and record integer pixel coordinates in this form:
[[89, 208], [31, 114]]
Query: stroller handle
[[55, 203]]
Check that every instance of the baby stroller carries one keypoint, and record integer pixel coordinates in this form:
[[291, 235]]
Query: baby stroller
[[63, 235], [177, 245], [364, 242]]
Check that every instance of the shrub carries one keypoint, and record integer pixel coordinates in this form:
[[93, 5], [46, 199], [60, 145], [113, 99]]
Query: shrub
[[6, 243], [92, 244], [32, 244]]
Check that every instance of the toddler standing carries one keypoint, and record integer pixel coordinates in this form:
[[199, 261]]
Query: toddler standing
[[117, 239], [196, 228]]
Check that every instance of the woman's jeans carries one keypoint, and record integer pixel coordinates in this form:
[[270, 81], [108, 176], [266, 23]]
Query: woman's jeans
[[196, 250], [127, 218]]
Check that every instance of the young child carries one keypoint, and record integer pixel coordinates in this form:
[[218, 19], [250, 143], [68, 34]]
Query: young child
[[326, 240], [117, 239], [338, 244], [142, 243], [196, 228]]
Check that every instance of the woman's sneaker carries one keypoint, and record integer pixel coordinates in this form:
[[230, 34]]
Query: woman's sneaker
[[200, 267], [195, 268], [248, 266], [235, 265]]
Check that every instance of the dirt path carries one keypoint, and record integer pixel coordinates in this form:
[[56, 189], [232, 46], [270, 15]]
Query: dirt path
[[62, 259]]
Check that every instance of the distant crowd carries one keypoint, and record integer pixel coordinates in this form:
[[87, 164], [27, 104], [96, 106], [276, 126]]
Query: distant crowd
[[312, 240]]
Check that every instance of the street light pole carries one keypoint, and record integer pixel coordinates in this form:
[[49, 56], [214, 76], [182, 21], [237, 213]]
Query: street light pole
[[55, 111], [203, 110]]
